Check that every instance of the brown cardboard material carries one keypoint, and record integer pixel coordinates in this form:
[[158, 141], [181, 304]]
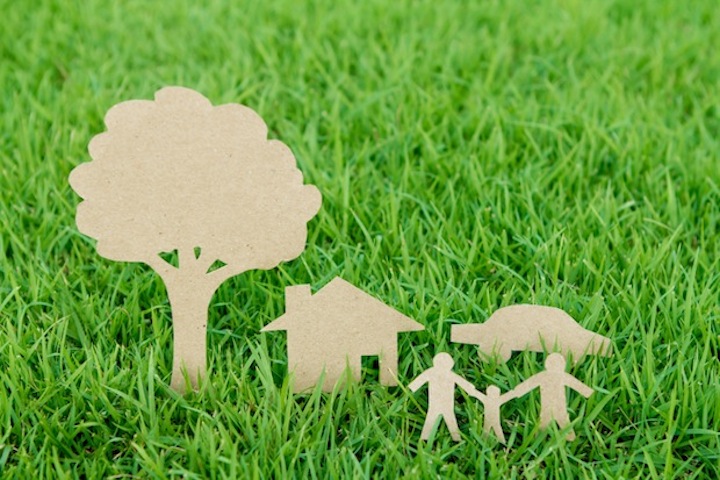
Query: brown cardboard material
[[531, 328], [179, 175], [492, 401], [333, 329], [441, 381], [553, 399]]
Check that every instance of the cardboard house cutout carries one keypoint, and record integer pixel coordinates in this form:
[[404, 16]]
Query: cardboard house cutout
[[333, 329], [177, 174], [533, 328]]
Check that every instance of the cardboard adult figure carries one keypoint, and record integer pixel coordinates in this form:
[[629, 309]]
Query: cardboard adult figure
[[492, 401], [441, 382], [553, 399], [180, 175]]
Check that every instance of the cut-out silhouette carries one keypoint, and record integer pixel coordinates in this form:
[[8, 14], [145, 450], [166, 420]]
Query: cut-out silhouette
[[179, 175], [492, 401], [530, 328], [553, 399], [333, 329], [441, 382]]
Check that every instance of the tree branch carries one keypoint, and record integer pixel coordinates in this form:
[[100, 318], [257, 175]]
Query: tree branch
[[186, 258], [163, 268], [205, 261], [188, 263], [223, 273]]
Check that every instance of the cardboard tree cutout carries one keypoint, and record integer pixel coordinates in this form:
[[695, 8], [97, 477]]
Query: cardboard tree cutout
[[179, 175], [441, 381], [530, 328], [332, 330], [552, 384]]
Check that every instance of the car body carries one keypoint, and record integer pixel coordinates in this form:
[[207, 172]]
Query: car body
[[532, 328]]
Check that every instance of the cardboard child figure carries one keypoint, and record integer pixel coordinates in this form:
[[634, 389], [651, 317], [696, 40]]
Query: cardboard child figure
[[553, 399], [492, 401], [441, 382], [333, 329], [179, 175]]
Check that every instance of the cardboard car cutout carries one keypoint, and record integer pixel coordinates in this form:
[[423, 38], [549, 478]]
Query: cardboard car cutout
[[532, 328]]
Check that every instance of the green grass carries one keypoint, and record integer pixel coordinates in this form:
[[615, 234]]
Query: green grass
[[471, 155]]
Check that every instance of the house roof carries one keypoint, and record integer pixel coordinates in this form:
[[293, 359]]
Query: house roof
[[346, 306]]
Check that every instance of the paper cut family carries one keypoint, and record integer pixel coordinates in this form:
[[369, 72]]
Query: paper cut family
[[442, 381], [533, 328], [200, 194]]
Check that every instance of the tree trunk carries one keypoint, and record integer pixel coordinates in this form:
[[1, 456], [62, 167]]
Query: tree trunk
[[189, 299]]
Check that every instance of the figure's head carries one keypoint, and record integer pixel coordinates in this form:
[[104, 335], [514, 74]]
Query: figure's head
[[443, 360], [555, 362], [493, 391]]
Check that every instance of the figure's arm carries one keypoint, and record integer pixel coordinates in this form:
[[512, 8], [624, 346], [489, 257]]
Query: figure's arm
[[578, 386], [479, 395], [507, 396], [475, 393], [462, 383], [524, 387], [418, 382], [468, 387]]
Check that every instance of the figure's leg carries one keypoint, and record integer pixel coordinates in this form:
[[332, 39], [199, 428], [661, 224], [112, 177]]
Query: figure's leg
[[486, 427], [452, 425], [491, 423], [499, 433], [546, 416], [563, 420], [430, 421]]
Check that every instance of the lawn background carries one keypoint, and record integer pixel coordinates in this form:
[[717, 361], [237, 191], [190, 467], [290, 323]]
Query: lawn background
[[471, 155]]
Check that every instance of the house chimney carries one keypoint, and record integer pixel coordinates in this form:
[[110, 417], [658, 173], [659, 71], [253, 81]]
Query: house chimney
[[295, 297]]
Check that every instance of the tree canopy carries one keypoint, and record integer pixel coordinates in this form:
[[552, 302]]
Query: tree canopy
[[177, 173]]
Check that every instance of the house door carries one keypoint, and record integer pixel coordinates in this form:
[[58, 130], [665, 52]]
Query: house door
[[370, 369]]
